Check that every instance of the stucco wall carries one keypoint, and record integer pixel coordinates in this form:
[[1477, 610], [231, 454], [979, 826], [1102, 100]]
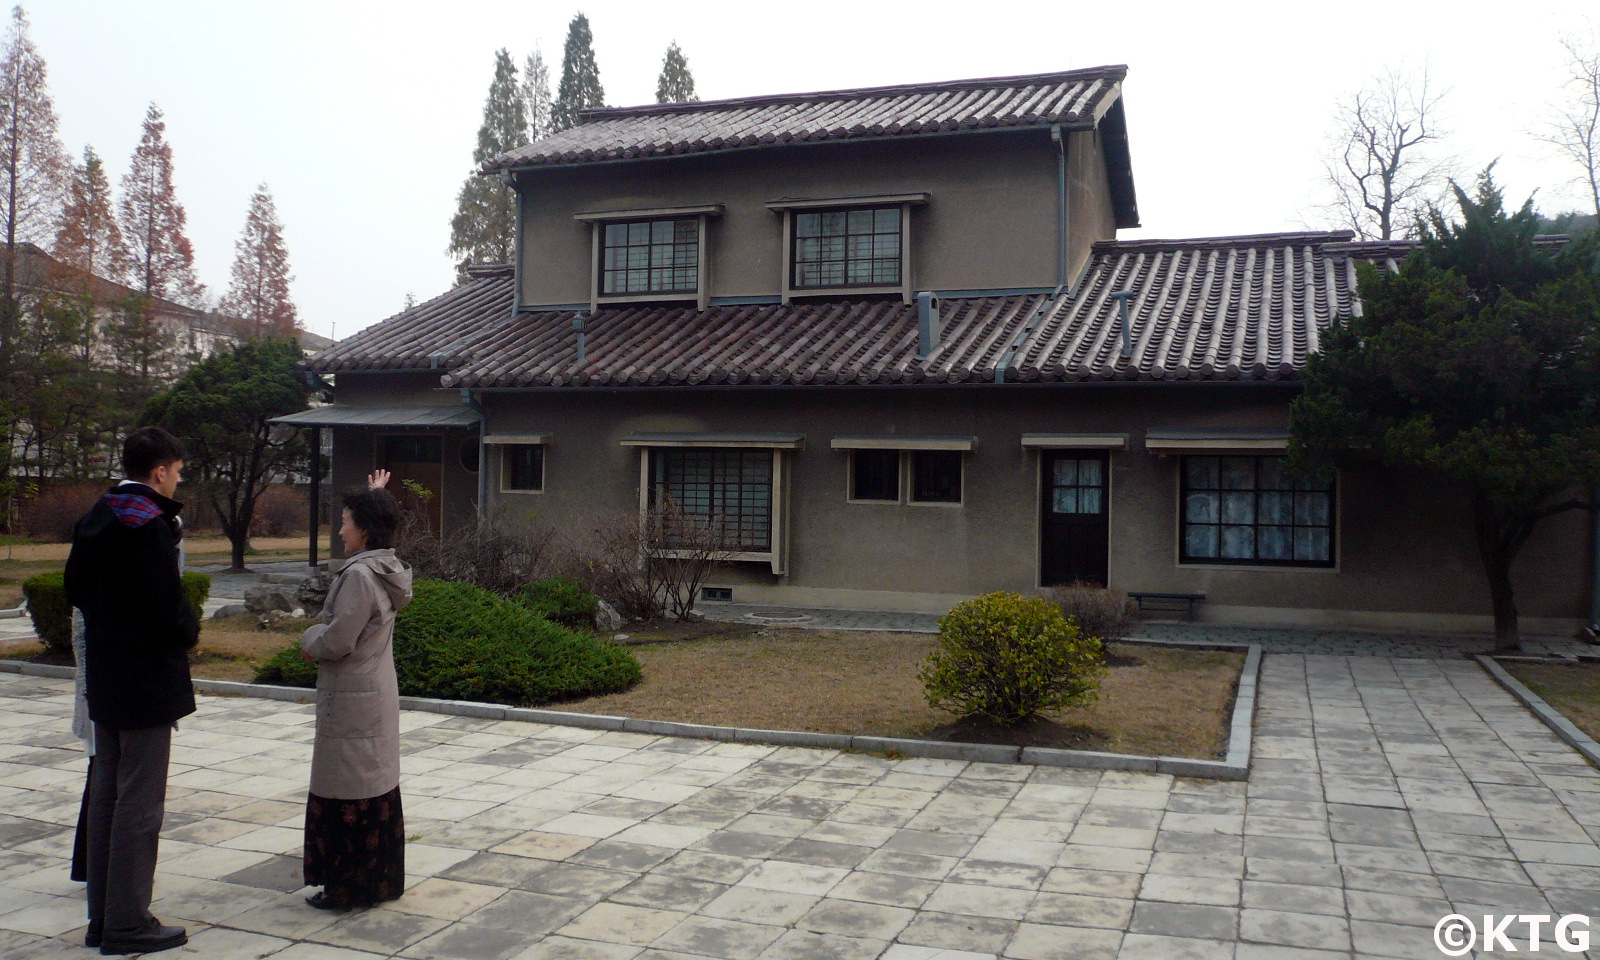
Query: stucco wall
[[990, 223], [1405, 555]]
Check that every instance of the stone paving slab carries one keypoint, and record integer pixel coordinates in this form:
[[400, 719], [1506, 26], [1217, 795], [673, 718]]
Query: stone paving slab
[[1385, 794]]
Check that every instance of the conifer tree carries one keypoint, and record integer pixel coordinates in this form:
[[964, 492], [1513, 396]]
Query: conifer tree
[[87, 236], [676, 84], [484, 228], [259, 291], [580, 77], [153, 221], [536, 100]]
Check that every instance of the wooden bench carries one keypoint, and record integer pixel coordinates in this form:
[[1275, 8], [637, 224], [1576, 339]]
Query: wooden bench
[[1168, 601]]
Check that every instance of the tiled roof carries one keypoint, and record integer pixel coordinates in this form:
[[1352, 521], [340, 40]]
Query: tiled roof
[[428, 335], [1072, 98]]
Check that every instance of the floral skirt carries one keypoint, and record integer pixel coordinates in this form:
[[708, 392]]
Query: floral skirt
[[356, 849]]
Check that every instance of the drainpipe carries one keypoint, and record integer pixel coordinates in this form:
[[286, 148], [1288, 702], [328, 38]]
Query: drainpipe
[[1122, 297], [483, 450], [1061, 204]]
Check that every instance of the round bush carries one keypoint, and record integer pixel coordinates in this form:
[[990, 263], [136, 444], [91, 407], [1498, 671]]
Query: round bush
[[455, 641], [565, 600], [1007, 658], [52, 615]]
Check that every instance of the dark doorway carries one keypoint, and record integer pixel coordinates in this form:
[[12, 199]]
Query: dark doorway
[[1073, 531], [419, 459]]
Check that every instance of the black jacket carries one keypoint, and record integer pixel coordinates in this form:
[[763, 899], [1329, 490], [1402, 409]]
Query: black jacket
[[138, 628]]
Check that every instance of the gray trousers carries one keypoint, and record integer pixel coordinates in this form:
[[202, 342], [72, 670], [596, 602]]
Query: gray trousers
[[127, 798]]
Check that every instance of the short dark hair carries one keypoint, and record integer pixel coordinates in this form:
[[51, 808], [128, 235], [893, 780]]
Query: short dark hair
[[377, 513], [147, 448]]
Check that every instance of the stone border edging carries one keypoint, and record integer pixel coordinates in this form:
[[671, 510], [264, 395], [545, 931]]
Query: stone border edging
[[1552, 718], [1235, 766]]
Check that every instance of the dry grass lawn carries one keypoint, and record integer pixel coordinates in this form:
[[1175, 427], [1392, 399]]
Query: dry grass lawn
[[18, 562], [229, 649], [1572, 688], [1165, 701]]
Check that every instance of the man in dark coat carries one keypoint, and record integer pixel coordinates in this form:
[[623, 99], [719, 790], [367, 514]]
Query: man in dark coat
[[123, 574]]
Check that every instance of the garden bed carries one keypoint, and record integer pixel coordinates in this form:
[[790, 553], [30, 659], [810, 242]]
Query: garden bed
[[1573, 689], [1154, 701]]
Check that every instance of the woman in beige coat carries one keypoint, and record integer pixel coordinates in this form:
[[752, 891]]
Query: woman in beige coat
[[355, 832]]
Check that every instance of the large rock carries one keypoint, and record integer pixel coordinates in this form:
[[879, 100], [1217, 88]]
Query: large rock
[[229, 610], [312, 593], [269, 597], [607, 619]]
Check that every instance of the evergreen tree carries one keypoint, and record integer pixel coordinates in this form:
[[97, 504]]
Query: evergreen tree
[[222, 407], [536, 101], [580, 78], [484, 229], [676, 84], [1475, 364], [153, 221], [259, 291], [87, 236]]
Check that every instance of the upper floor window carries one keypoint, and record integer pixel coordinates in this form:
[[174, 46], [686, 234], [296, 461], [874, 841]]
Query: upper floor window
[[650, 256], [857, 247]]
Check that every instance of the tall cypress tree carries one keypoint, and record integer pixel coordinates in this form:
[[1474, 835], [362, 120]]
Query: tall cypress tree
[[259, 291], [580, 78], [536, 98], [484, 229], [676, 84], [87, 236], [153, 220]]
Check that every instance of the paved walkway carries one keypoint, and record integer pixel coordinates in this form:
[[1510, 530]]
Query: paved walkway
[[1386, 794]]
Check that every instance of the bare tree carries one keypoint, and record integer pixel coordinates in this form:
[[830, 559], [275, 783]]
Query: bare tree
[[1575, 130], [1384, 169]]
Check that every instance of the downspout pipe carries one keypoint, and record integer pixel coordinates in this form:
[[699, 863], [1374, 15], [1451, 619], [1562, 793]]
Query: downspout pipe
[[1122, 297], [470, 400]]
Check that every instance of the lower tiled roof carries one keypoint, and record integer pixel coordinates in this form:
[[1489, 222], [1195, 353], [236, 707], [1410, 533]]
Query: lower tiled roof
[[1209, 310]]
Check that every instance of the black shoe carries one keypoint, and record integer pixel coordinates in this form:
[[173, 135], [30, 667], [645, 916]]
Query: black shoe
[[151, 939], [91, 936], [322, 901]]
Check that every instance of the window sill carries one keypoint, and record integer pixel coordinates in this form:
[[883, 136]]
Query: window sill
[[1256, 567], [524, 492], [648, 298]]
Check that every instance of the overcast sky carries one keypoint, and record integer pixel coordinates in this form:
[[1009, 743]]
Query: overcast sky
[[361, 117]]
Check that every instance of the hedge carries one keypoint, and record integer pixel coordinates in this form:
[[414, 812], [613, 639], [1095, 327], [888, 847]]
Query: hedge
[[456, 641], [52, 615], [563, 600]]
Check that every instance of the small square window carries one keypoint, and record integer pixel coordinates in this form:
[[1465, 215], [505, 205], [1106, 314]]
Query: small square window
[[523, 467], [935, 476], [875, 475]]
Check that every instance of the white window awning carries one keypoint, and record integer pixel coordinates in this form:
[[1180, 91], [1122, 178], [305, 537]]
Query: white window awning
[[891, 441], [1191, 439], [770, 441], [344, 415], [527, 439], [1075, 441]]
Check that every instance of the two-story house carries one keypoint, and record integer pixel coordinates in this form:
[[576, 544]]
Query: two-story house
[[890, 338]]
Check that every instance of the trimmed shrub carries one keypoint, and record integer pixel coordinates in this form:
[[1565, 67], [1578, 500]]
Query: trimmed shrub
[[287, 668], [1007, 658], [564, 600], [53, 513], [52, 615], [49, 610], [1098, 612], [455, 641]]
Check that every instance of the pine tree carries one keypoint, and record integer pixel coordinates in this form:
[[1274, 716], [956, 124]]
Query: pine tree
[[536, 102], [87, 236], [580, 78], [153, 220], [484, 229], [676, 84], [259, 291]]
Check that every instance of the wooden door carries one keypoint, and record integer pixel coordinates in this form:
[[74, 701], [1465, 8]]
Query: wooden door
[[1074, 533], [419, 459]]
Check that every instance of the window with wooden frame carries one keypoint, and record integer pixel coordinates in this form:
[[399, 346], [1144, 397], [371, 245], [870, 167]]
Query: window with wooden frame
[[935, 476], [899, 468], [875, 476], [1249, 510], [521, 468], [654, 254], [847, 244], [729, 488]]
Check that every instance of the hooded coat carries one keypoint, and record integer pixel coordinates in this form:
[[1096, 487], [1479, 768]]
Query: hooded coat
[[356, 753], [123, 573]]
